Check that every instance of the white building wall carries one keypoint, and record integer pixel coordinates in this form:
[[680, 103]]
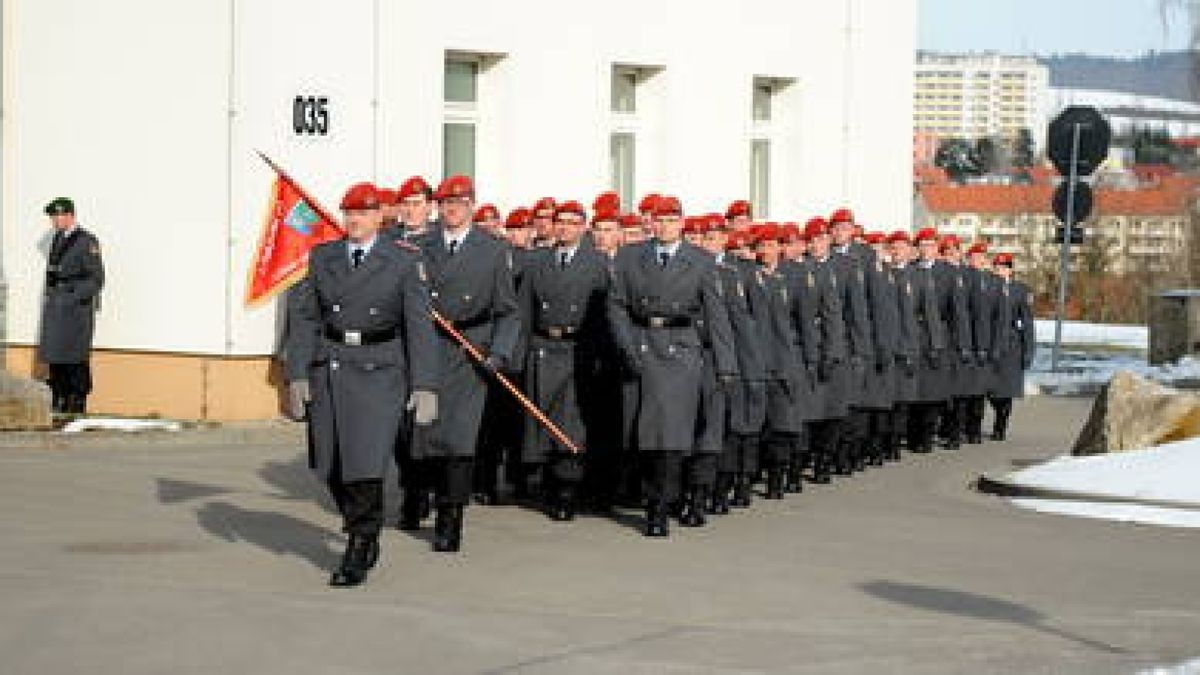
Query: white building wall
[[148, 114]]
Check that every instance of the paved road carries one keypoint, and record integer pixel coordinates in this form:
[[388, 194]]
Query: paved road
[[204, 560]]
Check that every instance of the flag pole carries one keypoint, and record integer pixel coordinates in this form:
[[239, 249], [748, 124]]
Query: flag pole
[[445, 324]]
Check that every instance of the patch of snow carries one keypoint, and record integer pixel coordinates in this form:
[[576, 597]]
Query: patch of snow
[[1083, 333], [1165, 473], [1085, 372], [118, 424], [1125, 513], [1186, 668]]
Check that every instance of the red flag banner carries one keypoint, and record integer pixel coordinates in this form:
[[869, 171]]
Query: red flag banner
[[293, 226]]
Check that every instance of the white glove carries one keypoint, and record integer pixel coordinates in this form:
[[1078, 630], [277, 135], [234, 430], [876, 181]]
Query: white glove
[[423, 403], [298, 397]]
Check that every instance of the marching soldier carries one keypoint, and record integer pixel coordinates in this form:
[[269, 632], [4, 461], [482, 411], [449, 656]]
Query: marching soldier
[[961, 373], [930, 298], [835, 345], [982, 294], [74, 277], [471, 283], [487, 218], [908, 339], [1013, 343], [851, 262], [661, 289], [389, 206], [563, 300], [415, 198], [360, 349], [880, 396]]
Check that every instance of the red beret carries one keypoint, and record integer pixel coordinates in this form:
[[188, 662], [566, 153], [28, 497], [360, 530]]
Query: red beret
[[456, 187], [570, 206], [388, 197], [487, 212], [607, 200], [360, 197], [815, 227], [517, 218], [791, 232], [926, 234], [841, 216], [667, 206], [631, 220], [648, 202], [766, 232], [741, 207], [859, 230], [544, 204], [413, 187], [605, 215], [715, 221], [695, 225], [951, 241], [875, 238], [1003, 259], [899, 235], [978, 247]]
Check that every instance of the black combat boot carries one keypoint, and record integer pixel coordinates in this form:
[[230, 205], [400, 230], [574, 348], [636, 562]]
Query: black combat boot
[[741, 492], [821, 468], [795, 479], [360, 556], [656, 519], [447, 528], [414, 507], [719, 504], [562, 505], [774, 484], [693, 508]]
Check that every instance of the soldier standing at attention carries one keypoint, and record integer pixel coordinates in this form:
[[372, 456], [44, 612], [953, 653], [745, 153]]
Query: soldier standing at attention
[[961, 371], [908, 338], [415, 207], [929, 296], [1013, 343], [661, 290], [360, 349], [563, 303], [982, 294], [471, 283], [852, 260], [74, 277]]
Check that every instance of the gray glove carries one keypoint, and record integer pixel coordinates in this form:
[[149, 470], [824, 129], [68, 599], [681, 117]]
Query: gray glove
[[423, 403], [298, 397]]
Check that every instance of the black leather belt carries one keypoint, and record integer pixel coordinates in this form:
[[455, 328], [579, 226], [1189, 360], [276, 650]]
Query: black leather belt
[[472, 323], [359, 338], [662, 322], [558, 332]]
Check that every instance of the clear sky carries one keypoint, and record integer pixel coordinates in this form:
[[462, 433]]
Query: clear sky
[[1044, 27]]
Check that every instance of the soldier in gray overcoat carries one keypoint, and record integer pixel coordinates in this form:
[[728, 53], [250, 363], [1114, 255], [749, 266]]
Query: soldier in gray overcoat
[[930, 295], [908, 340], [960, 374], [833, 371], [564, 294], [360, 348], [1014, 343], [852, 262], [983, 290], [661, 289], [74, 277], [880, 397], [471, 283]]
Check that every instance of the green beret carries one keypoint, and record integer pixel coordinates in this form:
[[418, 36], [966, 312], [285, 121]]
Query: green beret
[[60, 206]]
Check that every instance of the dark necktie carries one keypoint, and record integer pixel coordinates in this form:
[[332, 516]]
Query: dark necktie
[[563, 259], [664, 257], [356, 257], [453, 246]]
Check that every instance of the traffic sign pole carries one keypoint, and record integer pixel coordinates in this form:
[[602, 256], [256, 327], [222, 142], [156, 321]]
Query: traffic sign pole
[[1064, 259]]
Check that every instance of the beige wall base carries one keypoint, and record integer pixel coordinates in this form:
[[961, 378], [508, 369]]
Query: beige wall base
[[178, 386]]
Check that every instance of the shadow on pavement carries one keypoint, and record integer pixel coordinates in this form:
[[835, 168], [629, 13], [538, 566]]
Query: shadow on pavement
[[172, 491], [294, 481], [278, 533], [975, 606]]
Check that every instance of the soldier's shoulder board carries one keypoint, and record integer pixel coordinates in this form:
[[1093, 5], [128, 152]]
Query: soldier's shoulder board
[[407, 246]]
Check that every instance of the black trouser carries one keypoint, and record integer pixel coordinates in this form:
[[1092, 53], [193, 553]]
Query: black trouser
[[922, 423], [700, 471], [973, 416], [899, 425], [740, 455], [661, 470], [360, 502], [70, 384], [500, 432], [823, 442], [777, 449], [879, 437], [561, 475], [953, 419], [451, 479], [1002, 407]]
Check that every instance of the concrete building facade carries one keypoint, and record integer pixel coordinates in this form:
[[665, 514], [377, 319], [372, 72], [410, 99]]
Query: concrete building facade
[[149, 114], [976, 95]]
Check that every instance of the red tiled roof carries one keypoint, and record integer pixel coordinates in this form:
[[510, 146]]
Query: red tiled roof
[[1164, 200]]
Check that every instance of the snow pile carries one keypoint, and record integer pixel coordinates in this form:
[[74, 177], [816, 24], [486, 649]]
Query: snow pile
[[1164, 475], [1082, 333], [1187, 668], [1085, 372], [118, 424]]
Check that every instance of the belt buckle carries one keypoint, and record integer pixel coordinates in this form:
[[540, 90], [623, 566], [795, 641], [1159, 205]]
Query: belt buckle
[[352, 338], [555, 332], [657, 322]]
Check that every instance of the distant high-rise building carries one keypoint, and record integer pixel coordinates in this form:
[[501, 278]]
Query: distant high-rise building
[[976, 95]]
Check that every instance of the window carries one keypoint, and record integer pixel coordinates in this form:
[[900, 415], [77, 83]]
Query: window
[[624, 89], [458, 149], [461, 81], [761, 102], [760, 176], [621, 165]]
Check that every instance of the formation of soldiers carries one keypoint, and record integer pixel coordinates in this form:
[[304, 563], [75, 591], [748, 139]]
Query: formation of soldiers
[[689, 359]]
